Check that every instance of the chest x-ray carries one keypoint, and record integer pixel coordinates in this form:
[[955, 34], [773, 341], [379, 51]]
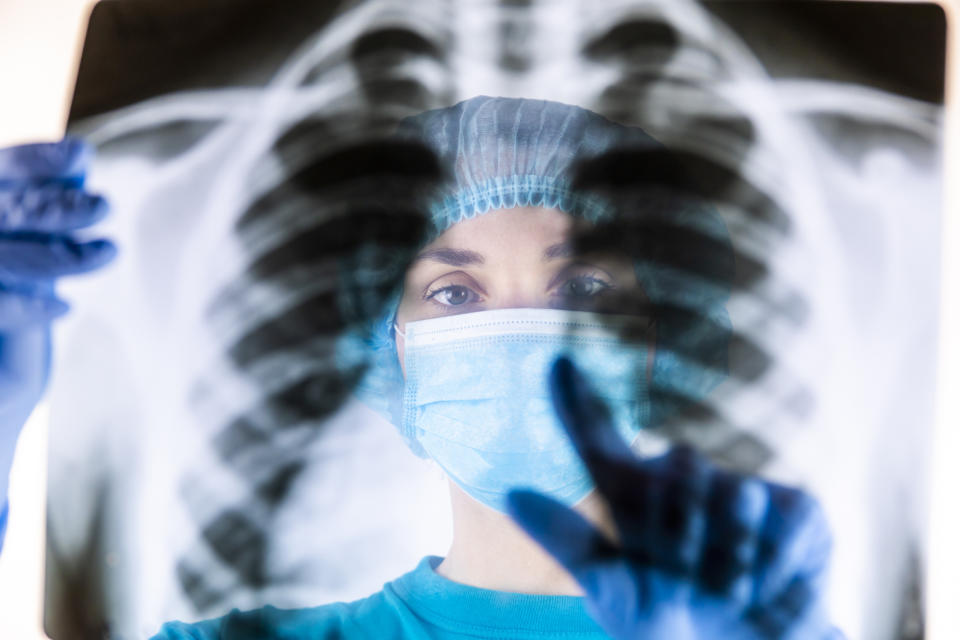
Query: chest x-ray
[[207, 451]]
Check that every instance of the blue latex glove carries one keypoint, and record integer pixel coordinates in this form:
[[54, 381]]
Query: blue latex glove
[[702, 553], [42, 202]]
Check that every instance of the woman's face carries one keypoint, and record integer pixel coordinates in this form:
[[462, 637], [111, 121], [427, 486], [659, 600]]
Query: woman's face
[[507, 259]]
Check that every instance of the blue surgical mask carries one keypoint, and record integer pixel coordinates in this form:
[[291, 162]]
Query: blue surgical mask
[[476, 395]]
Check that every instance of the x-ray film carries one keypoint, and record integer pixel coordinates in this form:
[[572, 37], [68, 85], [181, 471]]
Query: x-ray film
[[207, 450]]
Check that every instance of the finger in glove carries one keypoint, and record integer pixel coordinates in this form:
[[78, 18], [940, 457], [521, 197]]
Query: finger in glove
[[50, 208], [21, 310], [33, 256], [64, 161]]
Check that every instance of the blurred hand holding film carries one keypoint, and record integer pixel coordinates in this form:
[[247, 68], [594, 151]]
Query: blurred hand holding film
[[42, 205]]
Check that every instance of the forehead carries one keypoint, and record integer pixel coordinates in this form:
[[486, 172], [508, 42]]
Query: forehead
[[508, 229]]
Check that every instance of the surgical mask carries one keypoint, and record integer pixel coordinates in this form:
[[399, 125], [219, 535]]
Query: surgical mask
[[476, 395]]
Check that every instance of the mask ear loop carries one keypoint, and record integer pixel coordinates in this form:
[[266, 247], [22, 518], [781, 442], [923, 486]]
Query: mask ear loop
[[397, 331]]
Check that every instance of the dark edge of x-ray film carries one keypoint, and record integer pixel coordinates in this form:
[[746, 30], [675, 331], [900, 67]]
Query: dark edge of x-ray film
[[132, 52], [874, 42]]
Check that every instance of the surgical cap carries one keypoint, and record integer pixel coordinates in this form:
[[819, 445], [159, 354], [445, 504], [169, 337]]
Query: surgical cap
[[504, 153]]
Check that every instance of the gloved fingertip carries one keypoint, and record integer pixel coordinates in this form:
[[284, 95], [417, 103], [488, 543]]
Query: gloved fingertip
[[562, 372], [97, 253], [55, 308], [80, 209], [563, 365], [24, 312], [102, 245], [97, 207]]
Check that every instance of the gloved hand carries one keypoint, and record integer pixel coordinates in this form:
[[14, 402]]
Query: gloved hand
[[42, 202], [702, 553]]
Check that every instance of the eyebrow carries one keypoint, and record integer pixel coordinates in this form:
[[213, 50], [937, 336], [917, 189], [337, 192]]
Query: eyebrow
[[559, 250], [464, 257], [453, 257]]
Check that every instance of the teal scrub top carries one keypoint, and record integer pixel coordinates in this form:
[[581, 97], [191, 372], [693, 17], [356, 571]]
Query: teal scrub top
[[418, 605]]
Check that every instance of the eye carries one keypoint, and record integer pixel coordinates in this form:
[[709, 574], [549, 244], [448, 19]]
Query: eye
[[583, 287], [454, 295]]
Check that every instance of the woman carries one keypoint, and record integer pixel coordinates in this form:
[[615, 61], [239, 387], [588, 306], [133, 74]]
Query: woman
[[494, 305]]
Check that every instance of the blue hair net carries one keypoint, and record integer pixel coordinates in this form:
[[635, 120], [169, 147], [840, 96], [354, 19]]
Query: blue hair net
[[503, 153], [511, 152]]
